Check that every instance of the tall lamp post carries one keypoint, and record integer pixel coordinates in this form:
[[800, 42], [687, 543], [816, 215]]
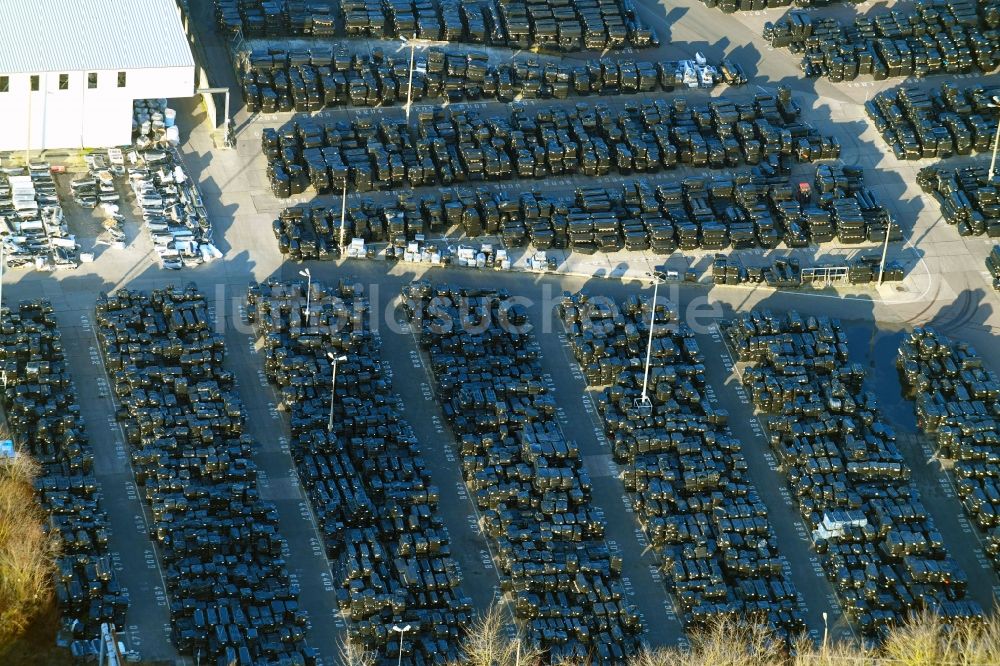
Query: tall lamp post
[[308, 276], [996, 138], [333, 386], [343, 216], [644, 402], [402, 632], [409, 85], [885, 251]]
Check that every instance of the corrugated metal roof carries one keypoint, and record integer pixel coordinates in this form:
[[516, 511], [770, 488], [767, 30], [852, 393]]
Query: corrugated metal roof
[[78, 35]]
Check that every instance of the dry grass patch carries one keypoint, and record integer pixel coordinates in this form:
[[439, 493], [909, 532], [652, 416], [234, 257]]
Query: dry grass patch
[[924, 641], [27, 553]]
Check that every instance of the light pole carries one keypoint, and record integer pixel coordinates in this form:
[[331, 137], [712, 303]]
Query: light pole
[[996, 138], [333, 386], [644, 401], [409, 85], [401, 631], [306, 274], [826, 629], [343, 216], [885, 251]]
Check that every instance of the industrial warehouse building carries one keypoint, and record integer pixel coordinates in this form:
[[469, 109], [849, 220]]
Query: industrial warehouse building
[[71, 69]]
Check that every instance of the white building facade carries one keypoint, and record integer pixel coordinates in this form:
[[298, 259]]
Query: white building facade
[[69, 71]]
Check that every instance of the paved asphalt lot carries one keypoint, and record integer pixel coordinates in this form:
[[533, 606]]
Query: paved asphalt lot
[[133, 555], [946, 287], [278, 483], [147, 619]]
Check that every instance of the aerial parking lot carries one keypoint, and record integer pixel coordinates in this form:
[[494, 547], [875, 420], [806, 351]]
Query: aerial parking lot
[[605, 321]]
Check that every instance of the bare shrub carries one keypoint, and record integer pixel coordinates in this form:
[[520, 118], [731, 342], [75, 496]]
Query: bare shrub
[[487, 643], [27, 552]]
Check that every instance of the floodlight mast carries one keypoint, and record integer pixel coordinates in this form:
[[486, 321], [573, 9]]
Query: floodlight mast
[[657, 278], [306, 274], [409, 85], [402, 632], [333, 386], [996, 137]]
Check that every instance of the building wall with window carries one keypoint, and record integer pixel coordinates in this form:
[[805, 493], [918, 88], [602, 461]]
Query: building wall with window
[[80, 109], [61, 62]]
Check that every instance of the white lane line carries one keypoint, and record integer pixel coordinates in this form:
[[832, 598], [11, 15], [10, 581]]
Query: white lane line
[[121, 432], [425, 366]]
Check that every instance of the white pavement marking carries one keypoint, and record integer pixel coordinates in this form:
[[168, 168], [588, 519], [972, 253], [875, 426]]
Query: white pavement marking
[[425, 367], [142, 504]]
